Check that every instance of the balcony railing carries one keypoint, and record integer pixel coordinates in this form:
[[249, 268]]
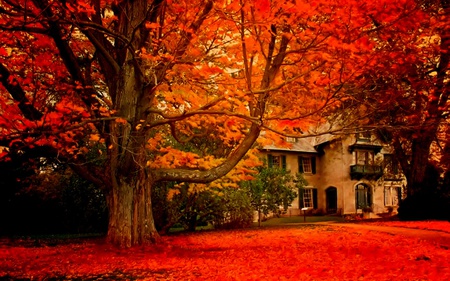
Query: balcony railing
[[365, 171]]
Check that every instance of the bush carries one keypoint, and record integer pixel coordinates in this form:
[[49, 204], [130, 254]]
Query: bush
[[54, 202], [237, 211], [84, 207], [220, 207]]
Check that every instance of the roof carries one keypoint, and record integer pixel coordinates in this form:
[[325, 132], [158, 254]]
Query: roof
[[301, 145]]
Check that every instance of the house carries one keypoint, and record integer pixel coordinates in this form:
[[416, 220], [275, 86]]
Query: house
[[346, 174]]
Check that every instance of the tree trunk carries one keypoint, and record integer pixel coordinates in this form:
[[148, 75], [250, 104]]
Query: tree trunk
[[417, 168], [259, 218], [130, 212]]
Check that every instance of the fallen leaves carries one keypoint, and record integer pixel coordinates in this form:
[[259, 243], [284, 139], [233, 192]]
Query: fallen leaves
[[443, 226], [291, 253]]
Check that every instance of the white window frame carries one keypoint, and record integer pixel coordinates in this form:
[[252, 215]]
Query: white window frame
[[391, 195], [277, 161], [291, 139], [307, 165], [308, 201], [364, 157]]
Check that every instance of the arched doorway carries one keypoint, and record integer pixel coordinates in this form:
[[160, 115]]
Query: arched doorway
[[331, 199]]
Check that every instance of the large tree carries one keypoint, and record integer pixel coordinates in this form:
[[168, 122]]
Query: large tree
[[128, 81], [403, 93]]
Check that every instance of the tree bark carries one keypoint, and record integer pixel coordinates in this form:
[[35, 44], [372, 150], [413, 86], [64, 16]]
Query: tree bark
[[419, 162], [130, 212]]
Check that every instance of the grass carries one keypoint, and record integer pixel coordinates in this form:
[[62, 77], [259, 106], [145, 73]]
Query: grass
[[298, 219], [274, 222]]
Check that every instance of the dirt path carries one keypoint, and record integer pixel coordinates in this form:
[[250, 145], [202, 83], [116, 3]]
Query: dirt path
[[442, 238]]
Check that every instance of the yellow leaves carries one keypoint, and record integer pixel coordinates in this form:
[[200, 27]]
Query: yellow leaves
[[197, 188], [94, 137], [121, 121], [172, 192], [169, 157], [173, 158], [155, 142]]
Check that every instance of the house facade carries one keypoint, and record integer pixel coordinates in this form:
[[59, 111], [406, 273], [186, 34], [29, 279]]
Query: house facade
[[346, 174]]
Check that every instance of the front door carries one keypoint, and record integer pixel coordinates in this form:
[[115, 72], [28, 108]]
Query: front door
[[331, 194]]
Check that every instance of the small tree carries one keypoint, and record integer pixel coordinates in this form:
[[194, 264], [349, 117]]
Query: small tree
[[270, 190], [236, 209], [184, 204]]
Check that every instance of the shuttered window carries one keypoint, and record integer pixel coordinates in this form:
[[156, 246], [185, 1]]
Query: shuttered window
[[277, 161], [308, 197], [307, 165]]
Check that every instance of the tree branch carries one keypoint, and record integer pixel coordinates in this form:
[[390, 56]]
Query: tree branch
[[18, 94]]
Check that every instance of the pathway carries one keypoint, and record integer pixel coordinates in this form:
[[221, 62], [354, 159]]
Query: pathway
[[442, 238]]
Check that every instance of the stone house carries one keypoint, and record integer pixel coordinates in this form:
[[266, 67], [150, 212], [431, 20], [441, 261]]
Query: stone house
[[346, 174]]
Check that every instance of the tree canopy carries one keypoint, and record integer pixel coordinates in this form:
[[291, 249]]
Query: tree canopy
[[402, 92], [176, 90]]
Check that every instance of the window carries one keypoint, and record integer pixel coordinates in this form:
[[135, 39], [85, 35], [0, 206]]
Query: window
[[391, 195], [364, 157], [291, 140], [277, 161], [308, 197], [307, 165], [363, 136], [363, 196]]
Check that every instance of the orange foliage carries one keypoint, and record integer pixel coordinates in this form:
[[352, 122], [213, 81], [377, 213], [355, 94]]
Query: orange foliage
[[293, 253]]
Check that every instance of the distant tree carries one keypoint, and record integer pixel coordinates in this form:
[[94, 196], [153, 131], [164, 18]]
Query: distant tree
[[402, 93], [271, 191]]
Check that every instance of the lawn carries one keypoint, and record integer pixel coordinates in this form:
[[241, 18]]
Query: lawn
[[296, 252]]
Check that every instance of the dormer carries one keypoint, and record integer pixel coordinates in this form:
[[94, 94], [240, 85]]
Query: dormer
[[363, 141], [364, 151]]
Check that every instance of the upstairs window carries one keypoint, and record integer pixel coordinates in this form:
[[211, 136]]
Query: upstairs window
[[307, 165], [291, 140], [363, 136], [277, 161], [364, 157]]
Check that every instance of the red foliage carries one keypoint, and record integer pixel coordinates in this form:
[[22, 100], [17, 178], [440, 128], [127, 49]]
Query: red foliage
[[294, 253], [443, 226]]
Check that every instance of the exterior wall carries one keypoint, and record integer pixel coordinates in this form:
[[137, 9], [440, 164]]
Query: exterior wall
[[333, 170]]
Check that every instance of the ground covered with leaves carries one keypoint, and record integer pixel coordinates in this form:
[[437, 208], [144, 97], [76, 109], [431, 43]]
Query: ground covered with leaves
[[443, 226], [301, 252]]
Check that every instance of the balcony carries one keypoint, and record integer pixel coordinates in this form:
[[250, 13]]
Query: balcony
[[365, 171]]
